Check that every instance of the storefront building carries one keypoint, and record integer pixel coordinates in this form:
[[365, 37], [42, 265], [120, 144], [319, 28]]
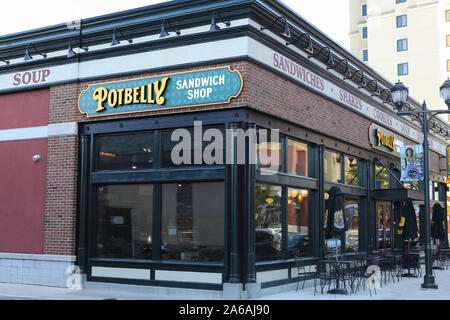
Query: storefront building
[[95, 175]]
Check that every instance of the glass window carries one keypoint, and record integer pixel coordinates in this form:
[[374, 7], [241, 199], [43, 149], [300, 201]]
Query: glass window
[[402, 45], [447, 39], [268, 152], [364, 32], [402, 69], [125, 151], [268, 222], [352, 234], [447, 15], [182, 147], [448, 65], [297, 158], [297, 211], [332, 166], [400, 1], [365, 55], [364, 10], [402, 21], [381, 178], [124, 221], [351, 170], [192, 227]]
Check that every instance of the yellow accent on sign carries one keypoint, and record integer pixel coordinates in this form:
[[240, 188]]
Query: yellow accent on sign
[[385, 140]]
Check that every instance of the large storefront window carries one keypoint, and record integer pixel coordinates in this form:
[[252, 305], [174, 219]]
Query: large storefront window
[[297, 158], [351, 170], [298, 233], [352, 234], [381, 177], [332, 167], [125, 151], [124, 221], [268, 222], [193, 221]]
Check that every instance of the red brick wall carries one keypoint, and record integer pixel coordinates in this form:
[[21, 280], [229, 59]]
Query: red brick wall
[[61, 196]]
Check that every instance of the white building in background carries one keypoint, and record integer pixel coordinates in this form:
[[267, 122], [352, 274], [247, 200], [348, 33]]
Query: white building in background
[[406, 40]]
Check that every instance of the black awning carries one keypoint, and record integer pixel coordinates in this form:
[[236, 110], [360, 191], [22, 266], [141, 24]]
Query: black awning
[[398, 194]]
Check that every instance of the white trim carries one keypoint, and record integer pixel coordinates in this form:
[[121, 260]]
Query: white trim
[[40, 257], [267, 276], [63, 129], [24, 133], [52, 130], [186, 276], [123, 273]]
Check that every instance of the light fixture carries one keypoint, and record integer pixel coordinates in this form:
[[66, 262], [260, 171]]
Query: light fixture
[[214, 26], [114, 40], [5, 61], [399, 94], [445, 92], [71, 53], [376, 91], [329, 58], [309, 47], [28, 55], [36, 157], [164, 33], [286, 32], [363, 82]]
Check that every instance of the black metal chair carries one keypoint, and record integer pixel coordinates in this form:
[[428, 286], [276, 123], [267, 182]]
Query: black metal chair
[[302, 274], [325, 275]]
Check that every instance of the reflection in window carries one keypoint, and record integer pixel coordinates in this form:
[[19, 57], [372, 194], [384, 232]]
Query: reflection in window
[[297, 211], [268, 222], [381, 178], [352, 234], [125, 151], [124, 221], [268, 153], [332, 166], [351, 170], [297, 158], [193, 221]]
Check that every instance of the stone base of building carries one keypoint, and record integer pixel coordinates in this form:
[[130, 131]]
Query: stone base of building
[[36, 269]]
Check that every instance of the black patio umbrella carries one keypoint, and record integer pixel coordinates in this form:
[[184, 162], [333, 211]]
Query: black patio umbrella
[[438, 223], [407, 227], [336, 222]]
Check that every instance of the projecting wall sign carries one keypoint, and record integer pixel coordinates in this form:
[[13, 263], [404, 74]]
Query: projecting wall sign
[[384, 140], [177, 90]]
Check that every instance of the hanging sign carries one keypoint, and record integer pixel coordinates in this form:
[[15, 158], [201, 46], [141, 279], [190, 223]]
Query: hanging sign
[[412, 163], [194, 88], [384, 140], [447, 151]]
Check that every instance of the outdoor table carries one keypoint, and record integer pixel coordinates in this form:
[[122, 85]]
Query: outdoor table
[[339, 268], [408, 257]]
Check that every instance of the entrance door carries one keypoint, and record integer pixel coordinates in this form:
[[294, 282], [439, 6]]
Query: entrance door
[[384, 225]]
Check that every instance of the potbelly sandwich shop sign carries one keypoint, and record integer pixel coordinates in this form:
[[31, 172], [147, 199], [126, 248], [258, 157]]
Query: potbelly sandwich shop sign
[[177, 90]]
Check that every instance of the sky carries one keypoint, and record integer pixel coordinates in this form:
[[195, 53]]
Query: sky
[[16, 16]]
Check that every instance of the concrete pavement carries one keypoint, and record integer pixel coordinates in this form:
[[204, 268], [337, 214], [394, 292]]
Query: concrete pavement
[[406, 289]]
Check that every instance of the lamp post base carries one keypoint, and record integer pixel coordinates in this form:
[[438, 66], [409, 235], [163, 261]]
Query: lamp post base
[[428, 283]]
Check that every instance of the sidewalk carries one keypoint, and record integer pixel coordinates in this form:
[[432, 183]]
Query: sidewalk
[[406, 289]]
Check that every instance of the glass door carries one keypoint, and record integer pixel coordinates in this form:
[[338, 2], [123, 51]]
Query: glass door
[[385, 237]]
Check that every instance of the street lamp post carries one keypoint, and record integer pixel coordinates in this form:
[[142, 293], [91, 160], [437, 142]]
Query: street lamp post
[[399, 97]]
